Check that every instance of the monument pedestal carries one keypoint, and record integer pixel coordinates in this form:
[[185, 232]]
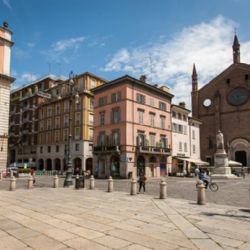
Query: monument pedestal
[[222, 169]]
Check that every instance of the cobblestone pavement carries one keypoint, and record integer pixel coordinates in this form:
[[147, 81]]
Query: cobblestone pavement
[[231, 192], [65, 218]]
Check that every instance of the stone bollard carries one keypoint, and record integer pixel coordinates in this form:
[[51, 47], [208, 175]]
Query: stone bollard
[[77, 182], [1, 175], [30, 182], [201, 194], [91, 182], [13, 184], [55, 181], [110, 184], [163, 189], [133, 189]]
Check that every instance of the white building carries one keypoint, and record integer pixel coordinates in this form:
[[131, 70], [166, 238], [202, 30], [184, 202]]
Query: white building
[[5, 82], [185, 140]]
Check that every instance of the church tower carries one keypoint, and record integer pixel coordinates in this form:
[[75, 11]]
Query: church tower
[[194, 93], [236, 50], [5, 82]]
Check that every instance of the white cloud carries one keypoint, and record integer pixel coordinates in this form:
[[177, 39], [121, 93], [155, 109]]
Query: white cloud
[[63, 45], [7, 3], [208, 45], [28, 77]]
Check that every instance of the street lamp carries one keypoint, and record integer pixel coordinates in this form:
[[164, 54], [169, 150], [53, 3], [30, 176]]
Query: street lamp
[[72, 94]]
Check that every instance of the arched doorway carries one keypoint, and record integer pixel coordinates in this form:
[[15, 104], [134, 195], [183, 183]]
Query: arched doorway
[[49, 165], [41, 164], [140, 165], [77, 165], [89, 165], [241, 156], [115, 166], [57, 164], [152, 164], [163, 166]]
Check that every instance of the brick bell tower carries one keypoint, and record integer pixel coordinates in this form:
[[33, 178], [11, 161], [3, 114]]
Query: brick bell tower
[[5, 83], [194, 93]]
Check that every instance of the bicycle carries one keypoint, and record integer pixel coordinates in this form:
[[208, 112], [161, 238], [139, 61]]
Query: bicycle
[[211, 185]]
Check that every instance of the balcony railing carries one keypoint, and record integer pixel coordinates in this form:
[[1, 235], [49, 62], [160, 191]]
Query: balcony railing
[[154, 150], [107, 149]]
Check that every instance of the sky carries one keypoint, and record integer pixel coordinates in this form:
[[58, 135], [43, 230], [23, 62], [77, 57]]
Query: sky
[[110, 38]]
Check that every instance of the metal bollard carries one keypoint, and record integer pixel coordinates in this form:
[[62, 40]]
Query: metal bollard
[[13, 184], [163, 189], [110, 184], [133, 188], [30, 182], [201, 194], [77, 182], [91, 182], [55, 181]]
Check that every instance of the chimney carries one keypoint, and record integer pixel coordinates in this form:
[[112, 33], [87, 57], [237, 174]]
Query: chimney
[[182, 105], [143, 78]]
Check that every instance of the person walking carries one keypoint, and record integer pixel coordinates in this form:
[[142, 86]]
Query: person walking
[[142, 182]]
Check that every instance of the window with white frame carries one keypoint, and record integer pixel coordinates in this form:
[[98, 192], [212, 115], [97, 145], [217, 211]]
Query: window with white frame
[[77, 133], [91, 103], [115, 115], [152, 119], [115, 137], [57, 122], [102, 118], [115, 97], [194, 149], [140, 98], [185, 146], [65, 136], [152, 102], [91, 119], [140, 116], [180, 146], [66, 120], [58, 109], [77, 118], [66, 106], [49, 112], [164, 141], [163, 122], [162, 106], [152, 139], [193, 134], [57, 135], [93, 83], [91, 134], [184, 129], [49, 124]]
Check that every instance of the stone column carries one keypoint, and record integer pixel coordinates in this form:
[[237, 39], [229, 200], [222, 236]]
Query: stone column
[[163, 189], [13, 184], [110, 184], [201, 194], [30, 182], [55, 181], [91, 182], [133, 189]]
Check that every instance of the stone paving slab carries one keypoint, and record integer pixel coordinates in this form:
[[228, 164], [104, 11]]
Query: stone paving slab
[[46, 218]]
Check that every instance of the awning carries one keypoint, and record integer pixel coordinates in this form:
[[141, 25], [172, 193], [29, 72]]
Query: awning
[[234, 163], [198, 162]]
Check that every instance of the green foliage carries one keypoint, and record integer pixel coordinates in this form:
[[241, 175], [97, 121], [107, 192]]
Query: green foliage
[[24, 170]]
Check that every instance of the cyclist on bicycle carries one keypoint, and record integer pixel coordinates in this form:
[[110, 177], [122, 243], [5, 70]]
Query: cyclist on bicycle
[[203, 177]]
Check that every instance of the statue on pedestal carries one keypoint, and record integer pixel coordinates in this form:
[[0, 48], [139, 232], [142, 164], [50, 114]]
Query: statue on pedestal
[[220, 148]]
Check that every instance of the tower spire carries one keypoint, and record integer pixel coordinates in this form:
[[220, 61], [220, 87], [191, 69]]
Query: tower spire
[[194, 79], [236, 49]]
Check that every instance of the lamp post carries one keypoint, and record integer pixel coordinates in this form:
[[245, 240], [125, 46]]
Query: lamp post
[[72, 94]]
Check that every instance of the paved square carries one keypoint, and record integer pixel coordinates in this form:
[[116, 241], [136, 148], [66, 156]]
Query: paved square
[[65, 218]]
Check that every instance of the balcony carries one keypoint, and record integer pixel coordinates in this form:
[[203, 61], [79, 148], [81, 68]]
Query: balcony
[[107, 149], [154, 150]]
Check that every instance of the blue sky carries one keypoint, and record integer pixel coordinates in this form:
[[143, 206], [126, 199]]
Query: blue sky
[[110, 38]]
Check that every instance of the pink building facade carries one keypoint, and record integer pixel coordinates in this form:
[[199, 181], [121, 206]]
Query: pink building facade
[[132, 128]]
